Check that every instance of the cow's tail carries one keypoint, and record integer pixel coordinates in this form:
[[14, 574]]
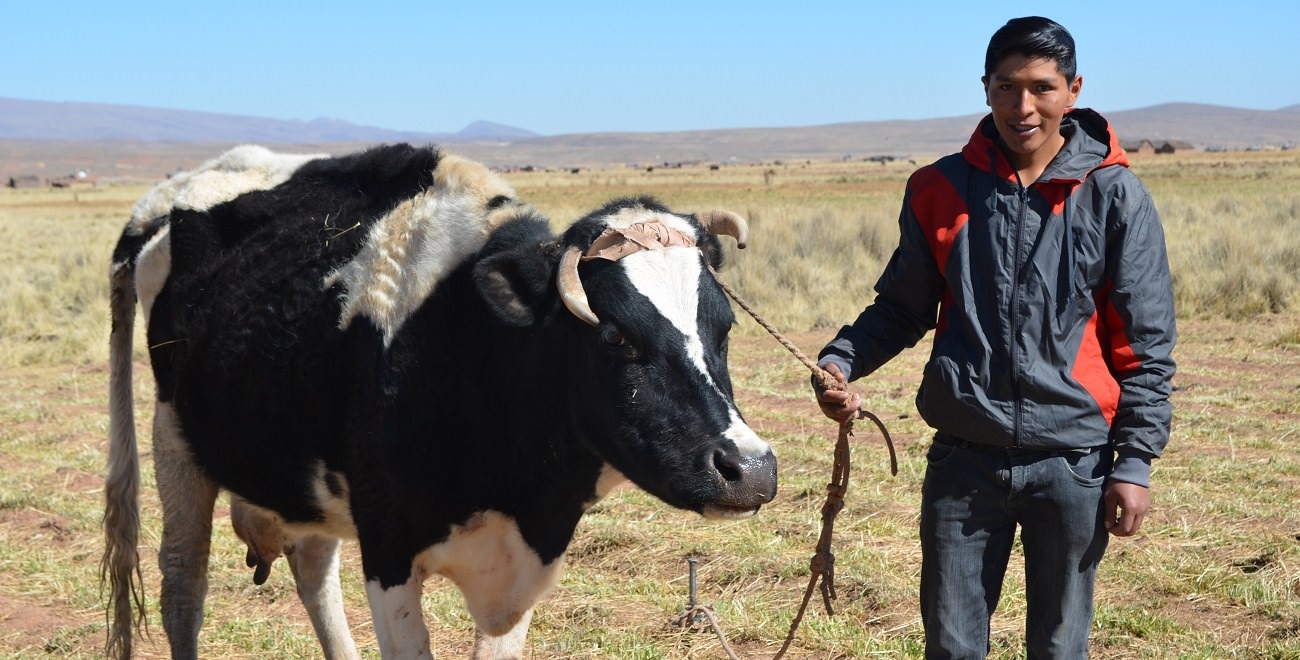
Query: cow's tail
[[120, 566]]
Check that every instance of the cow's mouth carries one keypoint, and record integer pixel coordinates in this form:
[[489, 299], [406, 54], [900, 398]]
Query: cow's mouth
[[726, 512]]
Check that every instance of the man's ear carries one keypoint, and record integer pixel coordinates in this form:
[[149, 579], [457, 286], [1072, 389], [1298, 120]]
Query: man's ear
[[517, 284], [984, 82], [1076, 86]]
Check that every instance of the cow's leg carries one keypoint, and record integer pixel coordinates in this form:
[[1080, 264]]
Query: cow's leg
[[399, 621], [187, 496], [504, 646], [315, 564]]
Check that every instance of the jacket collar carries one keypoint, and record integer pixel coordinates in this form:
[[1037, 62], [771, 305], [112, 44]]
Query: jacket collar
[[1090, 143]]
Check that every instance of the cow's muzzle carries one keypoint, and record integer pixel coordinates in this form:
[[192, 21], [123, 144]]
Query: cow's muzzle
[[747, 483]]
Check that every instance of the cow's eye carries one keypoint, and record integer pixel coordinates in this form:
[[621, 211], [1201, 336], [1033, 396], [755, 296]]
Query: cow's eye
[[612, 336]]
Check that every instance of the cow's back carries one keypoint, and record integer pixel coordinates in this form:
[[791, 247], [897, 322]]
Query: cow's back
[[250, 335]]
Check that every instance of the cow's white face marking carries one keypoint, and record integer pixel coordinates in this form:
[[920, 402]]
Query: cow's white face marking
[[670, 278], [747, 441]]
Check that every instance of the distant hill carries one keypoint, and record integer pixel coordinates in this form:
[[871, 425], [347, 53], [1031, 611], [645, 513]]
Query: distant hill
[[1204, 126], [1210, 126], [45, 120], [486, 130], [50, 139]]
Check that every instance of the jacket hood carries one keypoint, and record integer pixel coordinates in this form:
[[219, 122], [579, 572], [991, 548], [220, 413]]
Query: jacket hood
[[1090, 143]]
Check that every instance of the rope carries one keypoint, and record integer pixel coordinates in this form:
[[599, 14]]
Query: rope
[[824, 378], [822, 565]]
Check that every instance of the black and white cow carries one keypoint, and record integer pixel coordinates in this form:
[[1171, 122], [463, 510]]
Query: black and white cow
[[387, 346]]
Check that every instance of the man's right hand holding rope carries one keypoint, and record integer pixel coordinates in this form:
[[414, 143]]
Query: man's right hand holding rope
[[834, 397]]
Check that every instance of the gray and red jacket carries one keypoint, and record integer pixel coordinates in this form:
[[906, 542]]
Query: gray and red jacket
[[1052, 305]]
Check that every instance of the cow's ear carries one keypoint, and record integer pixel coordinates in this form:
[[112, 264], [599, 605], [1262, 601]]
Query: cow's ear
[[712, 249], [516, 284]]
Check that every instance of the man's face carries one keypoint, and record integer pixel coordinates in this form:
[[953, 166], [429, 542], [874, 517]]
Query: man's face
[[1028, 98]]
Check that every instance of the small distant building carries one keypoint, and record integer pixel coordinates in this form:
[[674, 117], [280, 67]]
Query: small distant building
[[1139, 147], [1148, 148], [73, 181], [26, 181], [1174, 146]]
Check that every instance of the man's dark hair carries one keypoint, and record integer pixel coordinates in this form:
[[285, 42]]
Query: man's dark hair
[[1034, 37]]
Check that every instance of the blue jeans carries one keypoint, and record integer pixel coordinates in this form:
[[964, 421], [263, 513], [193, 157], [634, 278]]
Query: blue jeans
[[973, 498]]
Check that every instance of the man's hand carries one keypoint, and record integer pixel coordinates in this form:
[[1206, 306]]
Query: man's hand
[[839, 405], [1125, 507]]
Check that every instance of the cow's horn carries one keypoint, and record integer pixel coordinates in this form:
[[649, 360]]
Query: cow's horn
[[719, 222], [571, 291]]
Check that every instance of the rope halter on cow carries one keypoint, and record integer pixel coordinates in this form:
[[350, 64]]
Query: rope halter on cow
[[617, 242]]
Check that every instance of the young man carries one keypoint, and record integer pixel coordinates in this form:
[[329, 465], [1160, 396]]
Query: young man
[[1038, 259]]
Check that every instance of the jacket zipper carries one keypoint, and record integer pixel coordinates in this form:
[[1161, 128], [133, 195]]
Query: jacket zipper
[[1022, 193]]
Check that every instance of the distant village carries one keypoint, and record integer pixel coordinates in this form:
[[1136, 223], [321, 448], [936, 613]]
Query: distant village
[[79, 178], [1143, 147]]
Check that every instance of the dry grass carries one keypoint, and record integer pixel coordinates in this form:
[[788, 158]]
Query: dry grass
[[1234, 230], [1215, 574]]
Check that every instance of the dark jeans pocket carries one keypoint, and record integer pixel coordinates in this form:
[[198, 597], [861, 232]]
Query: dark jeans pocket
[[941, 453], [1088, 468]]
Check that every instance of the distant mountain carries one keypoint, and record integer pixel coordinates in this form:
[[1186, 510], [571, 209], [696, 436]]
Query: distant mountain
[[486, 130], [51, 139], [1203, 126], [46, 120], [1210, 126]]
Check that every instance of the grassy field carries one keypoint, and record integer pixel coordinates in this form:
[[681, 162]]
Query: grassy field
[[1214, 574]]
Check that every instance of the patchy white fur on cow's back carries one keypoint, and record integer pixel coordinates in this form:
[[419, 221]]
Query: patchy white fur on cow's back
[[241, 170], [410, 250]]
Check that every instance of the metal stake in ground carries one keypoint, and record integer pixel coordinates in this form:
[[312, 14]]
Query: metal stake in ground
[[695, 615]]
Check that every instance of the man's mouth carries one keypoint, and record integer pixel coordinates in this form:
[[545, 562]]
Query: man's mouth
[[1023, 130]]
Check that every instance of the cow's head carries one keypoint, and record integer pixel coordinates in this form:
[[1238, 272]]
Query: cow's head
[[646, 359]]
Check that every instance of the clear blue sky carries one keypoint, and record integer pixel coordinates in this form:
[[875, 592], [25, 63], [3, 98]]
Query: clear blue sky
[[575, 67]]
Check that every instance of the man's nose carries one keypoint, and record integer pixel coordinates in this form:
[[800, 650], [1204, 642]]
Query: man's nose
[[1026, 103]]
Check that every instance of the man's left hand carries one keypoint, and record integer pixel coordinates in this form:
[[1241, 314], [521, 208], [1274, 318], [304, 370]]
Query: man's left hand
[[1125, 507]]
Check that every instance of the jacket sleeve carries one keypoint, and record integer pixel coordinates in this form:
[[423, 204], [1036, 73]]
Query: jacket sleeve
[[1139, 319], [905, 307]]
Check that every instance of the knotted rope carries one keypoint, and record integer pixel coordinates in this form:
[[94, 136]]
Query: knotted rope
[[822, 565]]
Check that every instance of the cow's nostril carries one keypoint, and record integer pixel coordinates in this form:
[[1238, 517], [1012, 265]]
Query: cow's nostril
[[728, 465]]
